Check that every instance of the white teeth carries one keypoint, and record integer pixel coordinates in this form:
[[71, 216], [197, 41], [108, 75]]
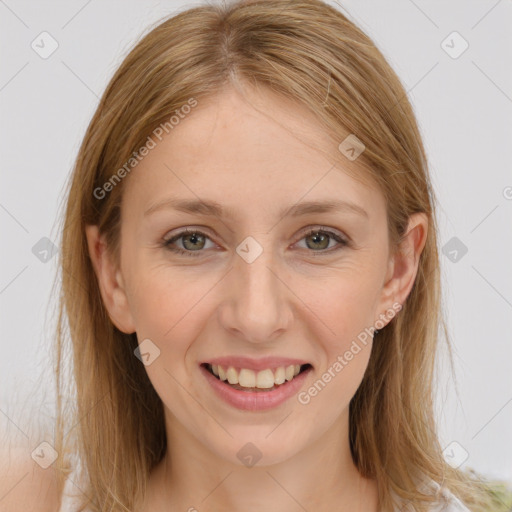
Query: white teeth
[[247, 378], [232, 375], [280, 375], [264, 379]]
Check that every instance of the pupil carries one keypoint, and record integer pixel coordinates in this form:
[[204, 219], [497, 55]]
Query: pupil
[[318, 238], [193, 238]]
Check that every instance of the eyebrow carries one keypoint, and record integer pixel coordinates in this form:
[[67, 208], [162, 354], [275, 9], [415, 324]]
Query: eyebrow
[[213, 208]]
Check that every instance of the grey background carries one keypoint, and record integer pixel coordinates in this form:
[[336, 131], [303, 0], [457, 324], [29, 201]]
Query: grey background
[[464, 108]]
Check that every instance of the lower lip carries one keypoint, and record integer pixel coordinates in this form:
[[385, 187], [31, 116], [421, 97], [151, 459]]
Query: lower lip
[[255, 400]]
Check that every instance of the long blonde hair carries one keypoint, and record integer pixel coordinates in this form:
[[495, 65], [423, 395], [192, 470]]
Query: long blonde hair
[[307, 51]]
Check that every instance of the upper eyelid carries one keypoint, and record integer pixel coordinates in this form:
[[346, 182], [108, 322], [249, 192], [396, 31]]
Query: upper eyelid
[[188, 231]]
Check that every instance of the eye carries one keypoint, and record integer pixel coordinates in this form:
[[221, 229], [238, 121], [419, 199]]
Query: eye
[[193, 241], [319, 239]]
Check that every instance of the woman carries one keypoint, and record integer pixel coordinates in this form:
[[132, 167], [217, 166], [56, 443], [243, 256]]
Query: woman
[[251, 279]]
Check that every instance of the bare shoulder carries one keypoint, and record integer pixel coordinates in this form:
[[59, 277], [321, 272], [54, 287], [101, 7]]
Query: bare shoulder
[[24, 484]]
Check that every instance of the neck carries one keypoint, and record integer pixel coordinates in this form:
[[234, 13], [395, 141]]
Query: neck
[[321, 477]]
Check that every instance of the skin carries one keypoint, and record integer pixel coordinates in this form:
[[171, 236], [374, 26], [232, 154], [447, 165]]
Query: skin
[[254, 154]]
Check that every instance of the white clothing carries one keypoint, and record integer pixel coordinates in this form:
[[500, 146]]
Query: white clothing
[[72, 494], [449, 503]]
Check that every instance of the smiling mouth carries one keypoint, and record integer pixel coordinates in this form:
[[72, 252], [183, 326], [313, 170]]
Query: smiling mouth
[[244, 379]]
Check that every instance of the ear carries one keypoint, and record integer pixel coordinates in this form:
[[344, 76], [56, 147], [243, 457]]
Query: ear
[[403, 266], [110, 281]]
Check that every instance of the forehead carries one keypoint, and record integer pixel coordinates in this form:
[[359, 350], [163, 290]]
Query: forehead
[[255, 151]]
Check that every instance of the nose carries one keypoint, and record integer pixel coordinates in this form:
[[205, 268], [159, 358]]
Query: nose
[[256, 306]]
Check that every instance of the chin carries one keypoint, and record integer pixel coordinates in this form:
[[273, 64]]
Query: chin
[[257, 446]]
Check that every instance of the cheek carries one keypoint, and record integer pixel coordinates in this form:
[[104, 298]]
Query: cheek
[[346, 307], [169, 307], [165, 302], [346, 348]]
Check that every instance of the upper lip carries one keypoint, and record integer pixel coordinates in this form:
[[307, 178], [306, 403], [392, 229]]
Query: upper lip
[[263, 363]]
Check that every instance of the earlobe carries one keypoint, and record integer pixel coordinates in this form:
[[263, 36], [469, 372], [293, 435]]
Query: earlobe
[[110, 281]]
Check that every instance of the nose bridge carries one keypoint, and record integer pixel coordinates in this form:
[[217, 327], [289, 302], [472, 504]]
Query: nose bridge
[[257, 306]]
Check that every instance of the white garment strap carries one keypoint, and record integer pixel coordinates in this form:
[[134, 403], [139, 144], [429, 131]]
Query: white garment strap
[[72, 494]]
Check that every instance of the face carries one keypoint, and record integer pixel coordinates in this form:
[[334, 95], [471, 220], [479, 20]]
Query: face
[[261, 285]]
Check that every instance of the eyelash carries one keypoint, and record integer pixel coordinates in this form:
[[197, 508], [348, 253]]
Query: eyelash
[[167, 243]]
